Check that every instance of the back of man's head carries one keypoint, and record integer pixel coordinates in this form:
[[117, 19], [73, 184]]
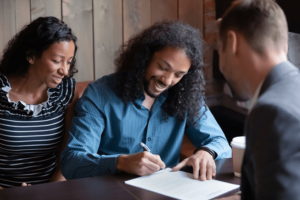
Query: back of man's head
[[261, 22]]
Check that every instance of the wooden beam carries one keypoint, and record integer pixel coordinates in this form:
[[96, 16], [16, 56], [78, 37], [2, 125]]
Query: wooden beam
[[136, 16], [79, 16], [14, 15], [108, 35], [191, 12], [163, 9], [42, 8]]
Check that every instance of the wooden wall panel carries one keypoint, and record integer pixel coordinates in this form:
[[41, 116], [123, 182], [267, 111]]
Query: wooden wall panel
[[42, 8], [14, 14], [22, 14], [78, 15], [163, 9], [136, 17], [191, 12], [108, 34], [99, 33]]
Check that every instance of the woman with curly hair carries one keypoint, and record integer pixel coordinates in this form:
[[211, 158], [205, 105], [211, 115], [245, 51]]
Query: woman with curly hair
[[155, 97], [36, 91]]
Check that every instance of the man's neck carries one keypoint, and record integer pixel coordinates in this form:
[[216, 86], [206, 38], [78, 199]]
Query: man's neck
[[262, 65], [148, 102]]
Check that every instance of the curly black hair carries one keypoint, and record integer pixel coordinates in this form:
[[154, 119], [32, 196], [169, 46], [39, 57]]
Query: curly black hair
[[184, 99], [33, 40]]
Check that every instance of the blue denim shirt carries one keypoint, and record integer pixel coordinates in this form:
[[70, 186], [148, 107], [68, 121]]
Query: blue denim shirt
[[105, 127]]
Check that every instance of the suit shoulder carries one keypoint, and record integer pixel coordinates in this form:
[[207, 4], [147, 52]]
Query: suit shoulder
[[273, 119], [282, 96]]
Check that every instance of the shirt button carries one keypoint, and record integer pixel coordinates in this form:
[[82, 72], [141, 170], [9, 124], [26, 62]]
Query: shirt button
[[149, 138]]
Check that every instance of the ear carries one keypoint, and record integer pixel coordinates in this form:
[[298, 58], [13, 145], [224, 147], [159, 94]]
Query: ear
[[232, 41]]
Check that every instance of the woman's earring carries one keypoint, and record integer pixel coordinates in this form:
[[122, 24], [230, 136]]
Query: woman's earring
[[30, 60]]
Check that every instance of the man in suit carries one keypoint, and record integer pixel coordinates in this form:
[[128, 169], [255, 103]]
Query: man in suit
[[253, 58]]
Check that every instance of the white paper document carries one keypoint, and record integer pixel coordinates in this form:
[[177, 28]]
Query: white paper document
[[181, 185]]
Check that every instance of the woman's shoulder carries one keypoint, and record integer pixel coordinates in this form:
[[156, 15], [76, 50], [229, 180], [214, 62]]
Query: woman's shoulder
[[65, 88], [4, 89], [64, 93], [58, 99], [68, 83]]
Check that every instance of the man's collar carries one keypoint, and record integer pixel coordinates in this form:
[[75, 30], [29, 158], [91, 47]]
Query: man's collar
[[141, 97], [276, 74], [255, 96]]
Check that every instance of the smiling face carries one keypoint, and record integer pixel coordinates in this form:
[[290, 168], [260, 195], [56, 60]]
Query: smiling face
[[54, 63], [166, 69]]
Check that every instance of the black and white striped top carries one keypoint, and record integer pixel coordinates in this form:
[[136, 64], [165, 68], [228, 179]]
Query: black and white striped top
[[31, 134]]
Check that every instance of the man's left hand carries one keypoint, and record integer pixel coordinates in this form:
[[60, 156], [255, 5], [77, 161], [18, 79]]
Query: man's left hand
[[202, 161]]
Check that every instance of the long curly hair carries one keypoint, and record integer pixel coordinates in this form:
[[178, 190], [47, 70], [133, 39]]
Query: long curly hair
[[185, 99], [33, 40]]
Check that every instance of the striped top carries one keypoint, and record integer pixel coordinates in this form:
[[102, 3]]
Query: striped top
[[31, 134]]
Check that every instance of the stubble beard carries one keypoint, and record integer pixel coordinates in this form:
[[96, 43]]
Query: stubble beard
[[146, 89]]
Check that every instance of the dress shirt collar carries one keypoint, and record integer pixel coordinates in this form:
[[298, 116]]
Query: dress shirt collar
[[256, 94], [159, 100], [276, 74]]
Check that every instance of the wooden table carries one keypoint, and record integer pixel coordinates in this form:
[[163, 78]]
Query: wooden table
[[104, 187]]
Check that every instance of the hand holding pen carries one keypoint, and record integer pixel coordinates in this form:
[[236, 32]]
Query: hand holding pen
[[144, 147], [143, 163]]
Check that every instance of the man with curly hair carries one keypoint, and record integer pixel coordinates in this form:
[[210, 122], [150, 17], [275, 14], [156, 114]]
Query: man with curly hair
[[156, 96]]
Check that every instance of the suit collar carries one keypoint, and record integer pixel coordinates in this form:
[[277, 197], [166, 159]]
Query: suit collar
[[277, 73]]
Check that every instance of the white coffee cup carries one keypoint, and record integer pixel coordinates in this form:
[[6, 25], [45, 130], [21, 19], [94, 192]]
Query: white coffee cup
[[238, 150]]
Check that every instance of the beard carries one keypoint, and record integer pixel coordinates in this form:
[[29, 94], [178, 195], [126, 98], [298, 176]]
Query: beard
[[146, 89], [146, 85]]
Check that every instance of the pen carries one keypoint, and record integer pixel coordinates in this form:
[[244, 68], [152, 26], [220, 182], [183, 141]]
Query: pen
[[144, 147]]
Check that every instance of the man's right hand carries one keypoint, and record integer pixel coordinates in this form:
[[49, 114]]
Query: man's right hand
[[141, 164]]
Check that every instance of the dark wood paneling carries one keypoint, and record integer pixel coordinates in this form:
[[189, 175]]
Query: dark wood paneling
[[163, 9], [191, 12]]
